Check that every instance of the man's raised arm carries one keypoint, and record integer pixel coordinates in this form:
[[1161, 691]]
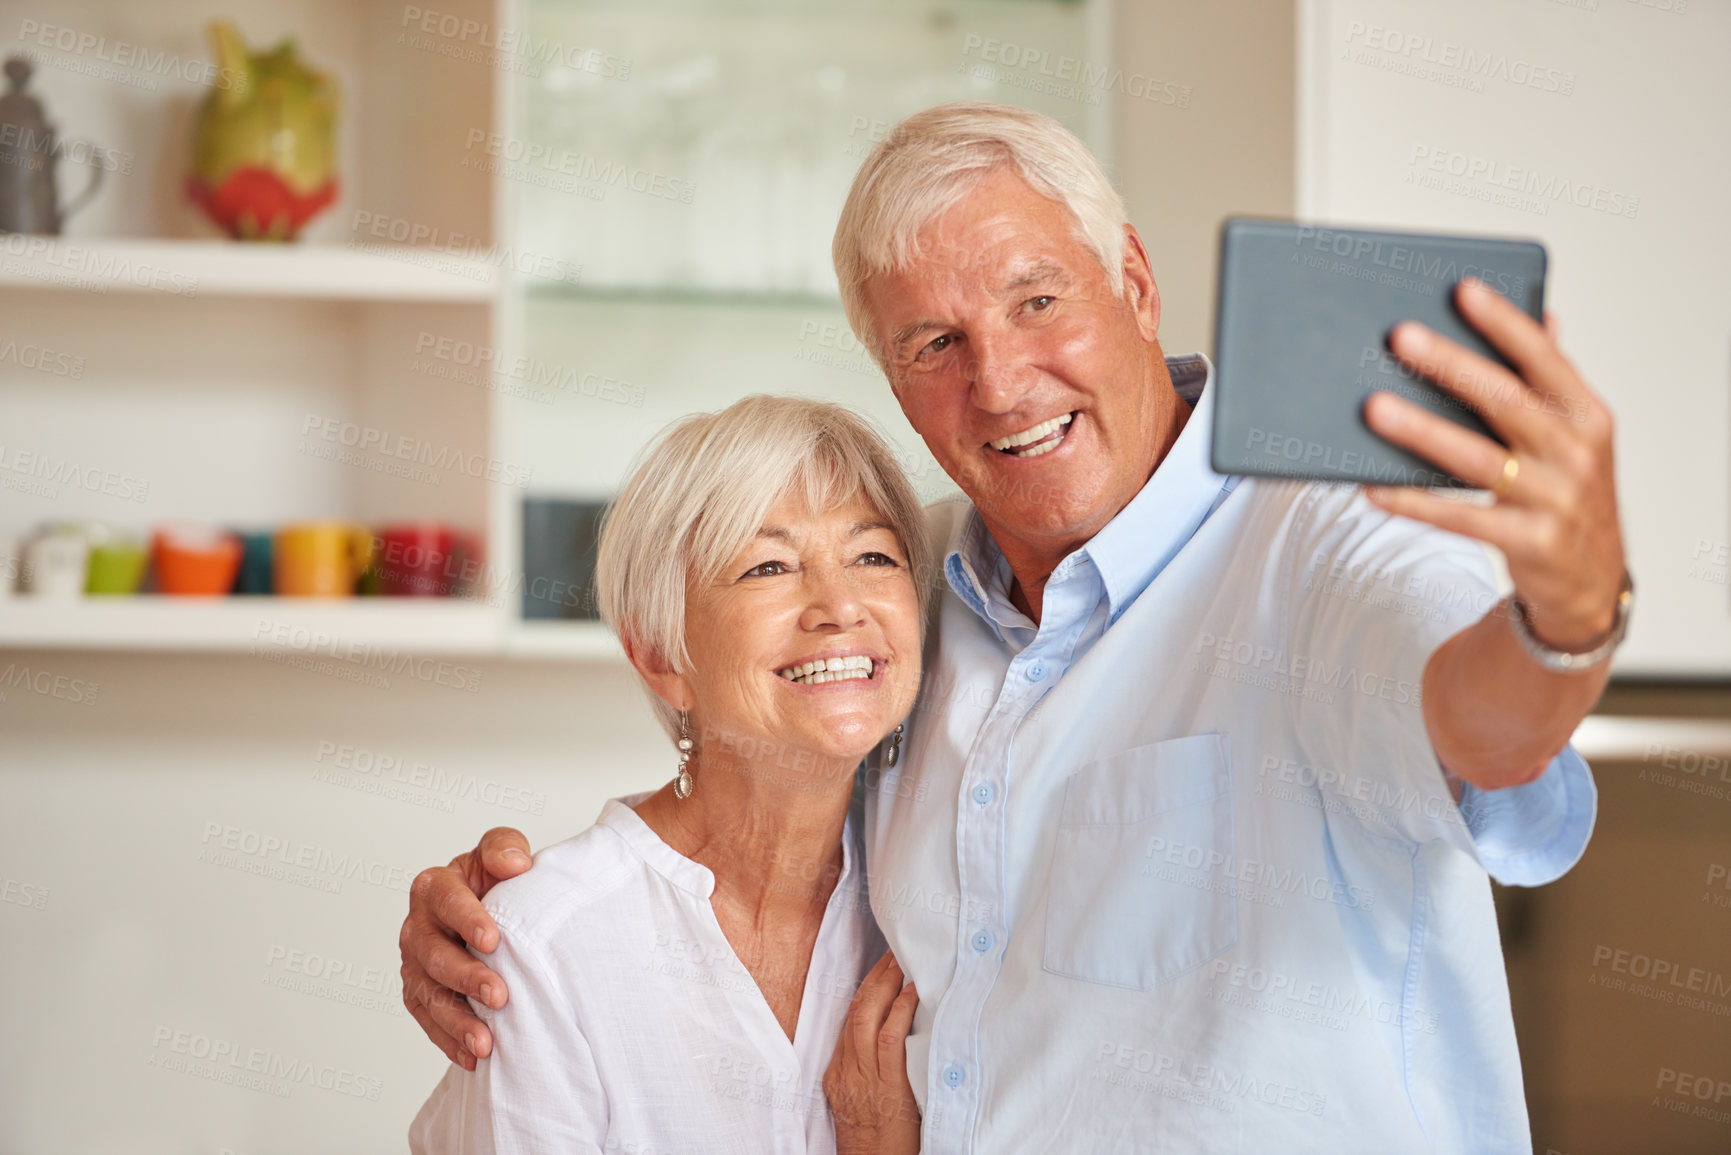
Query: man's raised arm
[[445, 912], [1495, 715]]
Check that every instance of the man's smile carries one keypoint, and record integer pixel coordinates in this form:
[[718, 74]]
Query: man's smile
[[1035, 440]]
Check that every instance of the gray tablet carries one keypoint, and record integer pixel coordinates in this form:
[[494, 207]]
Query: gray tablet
[[1301, 339]]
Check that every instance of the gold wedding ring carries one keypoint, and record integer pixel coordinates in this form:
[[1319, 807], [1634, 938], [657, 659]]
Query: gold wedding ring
[[1511, 470]]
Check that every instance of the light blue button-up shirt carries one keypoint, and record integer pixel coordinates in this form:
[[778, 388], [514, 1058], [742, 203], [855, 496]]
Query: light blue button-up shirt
[[1176, 869]]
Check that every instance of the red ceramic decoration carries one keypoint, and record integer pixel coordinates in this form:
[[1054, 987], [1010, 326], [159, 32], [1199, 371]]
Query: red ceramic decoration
[[254, 202]]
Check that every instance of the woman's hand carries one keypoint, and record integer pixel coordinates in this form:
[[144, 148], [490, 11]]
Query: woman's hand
[[867, 1085]]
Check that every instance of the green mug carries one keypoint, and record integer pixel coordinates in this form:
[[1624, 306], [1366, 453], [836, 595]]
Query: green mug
[[116, 567]]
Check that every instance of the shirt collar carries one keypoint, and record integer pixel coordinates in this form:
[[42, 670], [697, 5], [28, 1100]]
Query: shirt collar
[[977, 571], [620, 816], [1136, 544]]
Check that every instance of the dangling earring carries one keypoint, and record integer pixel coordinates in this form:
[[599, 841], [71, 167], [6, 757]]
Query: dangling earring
[[682, 780], [894, 754]]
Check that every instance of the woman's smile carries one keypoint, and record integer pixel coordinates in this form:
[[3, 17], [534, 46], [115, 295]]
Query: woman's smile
[[845, 670]]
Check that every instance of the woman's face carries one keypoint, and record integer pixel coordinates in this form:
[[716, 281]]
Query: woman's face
[[810, 587]]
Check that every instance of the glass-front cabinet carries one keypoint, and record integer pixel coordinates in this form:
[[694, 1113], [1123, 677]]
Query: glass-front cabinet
[[688, 159]]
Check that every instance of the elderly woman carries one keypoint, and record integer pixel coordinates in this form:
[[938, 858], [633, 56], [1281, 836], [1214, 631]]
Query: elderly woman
[[680, 972]]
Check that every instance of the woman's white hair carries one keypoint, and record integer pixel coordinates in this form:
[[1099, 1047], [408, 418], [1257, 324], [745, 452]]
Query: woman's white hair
[[932, 159], [702, 490]]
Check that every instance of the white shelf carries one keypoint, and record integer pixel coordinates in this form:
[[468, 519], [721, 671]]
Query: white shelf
[[364, 272], [562, 640], [345, 628], [1617, 738], [340, 628]]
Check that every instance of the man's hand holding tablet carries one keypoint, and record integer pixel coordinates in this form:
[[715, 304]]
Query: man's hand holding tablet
[[1478, 393]]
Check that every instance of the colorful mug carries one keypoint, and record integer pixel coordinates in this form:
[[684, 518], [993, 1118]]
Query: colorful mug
[[194, 560], [56, 563], [116, 566], [320, 559], [424, 559], [11, 566], [255, 576]]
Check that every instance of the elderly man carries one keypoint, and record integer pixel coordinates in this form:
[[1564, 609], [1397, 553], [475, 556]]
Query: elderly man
[[1188, 847]]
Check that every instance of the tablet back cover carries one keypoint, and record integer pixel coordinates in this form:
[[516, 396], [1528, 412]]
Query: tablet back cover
[[1301, 339]]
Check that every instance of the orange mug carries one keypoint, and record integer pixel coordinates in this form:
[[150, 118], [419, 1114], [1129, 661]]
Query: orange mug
[[194, 560], [320, 559]]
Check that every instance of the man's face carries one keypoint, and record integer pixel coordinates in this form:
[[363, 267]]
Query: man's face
[[1006, 327]]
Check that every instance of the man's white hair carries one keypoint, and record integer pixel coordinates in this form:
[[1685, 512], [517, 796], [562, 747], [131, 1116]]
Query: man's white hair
[[932, 159], [700, 492]]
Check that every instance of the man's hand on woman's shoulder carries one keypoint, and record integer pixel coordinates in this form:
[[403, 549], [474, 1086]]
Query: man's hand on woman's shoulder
[[445, 912]]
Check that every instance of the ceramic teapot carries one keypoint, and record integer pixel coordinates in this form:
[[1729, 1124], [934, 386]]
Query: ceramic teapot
[[29, 150], [264, 144]]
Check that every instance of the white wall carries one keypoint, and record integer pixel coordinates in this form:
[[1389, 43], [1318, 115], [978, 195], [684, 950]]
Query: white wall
[[1629, 102], [1228, 151], [118, 809]]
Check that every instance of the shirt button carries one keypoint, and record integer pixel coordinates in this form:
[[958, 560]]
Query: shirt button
[[984, 792], [954, 1076], [1037, 671], [982, 941]]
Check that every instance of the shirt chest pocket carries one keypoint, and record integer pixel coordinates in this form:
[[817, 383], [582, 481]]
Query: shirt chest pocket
[[1139, 887]]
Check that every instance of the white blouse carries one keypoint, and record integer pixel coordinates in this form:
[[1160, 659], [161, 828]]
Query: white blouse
[[632, 1026]]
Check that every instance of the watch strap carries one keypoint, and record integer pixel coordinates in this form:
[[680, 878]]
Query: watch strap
[[1566, 661]]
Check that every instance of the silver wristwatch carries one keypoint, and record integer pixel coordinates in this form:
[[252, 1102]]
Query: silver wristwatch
[[1563, 661]]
